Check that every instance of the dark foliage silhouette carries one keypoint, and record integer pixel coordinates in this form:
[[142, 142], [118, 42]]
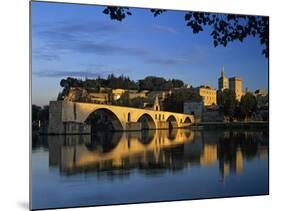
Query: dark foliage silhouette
[[225, 28]]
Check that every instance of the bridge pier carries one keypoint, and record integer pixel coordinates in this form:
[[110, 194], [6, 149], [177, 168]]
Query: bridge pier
[[133, 126], [162, 125], [57, 126]]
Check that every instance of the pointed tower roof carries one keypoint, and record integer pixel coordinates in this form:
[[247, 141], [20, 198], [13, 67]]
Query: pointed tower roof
[[222, 71]]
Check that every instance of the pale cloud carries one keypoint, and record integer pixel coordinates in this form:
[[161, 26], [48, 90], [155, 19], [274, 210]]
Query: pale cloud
[[162, 28], [64, 74], [168, 61]]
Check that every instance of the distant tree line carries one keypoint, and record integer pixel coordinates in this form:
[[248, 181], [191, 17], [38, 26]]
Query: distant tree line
[[175, 101], [125, 100], [151, 83], [39, 114], [232, 109]]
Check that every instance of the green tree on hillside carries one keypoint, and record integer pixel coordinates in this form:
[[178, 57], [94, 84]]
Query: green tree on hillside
[[227, 101], [124, 99], [248, 104], [175, 101]]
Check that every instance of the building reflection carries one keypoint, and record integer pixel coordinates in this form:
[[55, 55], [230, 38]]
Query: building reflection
[[236, 147], [155, 151], [209, 155]]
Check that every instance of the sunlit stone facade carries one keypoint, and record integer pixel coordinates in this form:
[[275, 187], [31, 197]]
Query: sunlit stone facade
[[208, 94], [235, 84]]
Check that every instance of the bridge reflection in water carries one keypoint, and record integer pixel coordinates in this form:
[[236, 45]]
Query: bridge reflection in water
[[155, 151]]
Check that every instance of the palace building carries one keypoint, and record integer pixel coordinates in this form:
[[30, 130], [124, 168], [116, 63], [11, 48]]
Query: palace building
[[208, 94], [233, 83]]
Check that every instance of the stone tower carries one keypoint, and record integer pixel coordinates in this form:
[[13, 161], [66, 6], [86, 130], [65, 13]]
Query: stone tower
[[156, 105], [235, 84], [223, 81]]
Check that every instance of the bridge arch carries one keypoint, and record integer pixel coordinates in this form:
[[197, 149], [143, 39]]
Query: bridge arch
[[187, 120], [104, 119], [146, 121], [172, 121]]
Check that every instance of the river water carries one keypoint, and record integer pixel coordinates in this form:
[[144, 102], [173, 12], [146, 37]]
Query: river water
[[131, 167]]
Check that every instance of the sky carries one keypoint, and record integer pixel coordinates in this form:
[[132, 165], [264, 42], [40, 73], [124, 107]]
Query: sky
[[81, 41]]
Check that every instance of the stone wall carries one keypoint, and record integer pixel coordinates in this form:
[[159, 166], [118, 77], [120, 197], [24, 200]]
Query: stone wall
[[76, 128], [58, 126], [212, 116], [55, 115], [133, 126]]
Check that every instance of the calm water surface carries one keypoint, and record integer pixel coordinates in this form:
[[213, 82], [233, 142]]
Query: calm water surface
[[114, 168]]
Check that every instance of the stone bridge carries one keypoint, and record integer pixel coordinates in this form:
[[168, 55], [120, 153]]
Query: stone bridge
[[73, 117]]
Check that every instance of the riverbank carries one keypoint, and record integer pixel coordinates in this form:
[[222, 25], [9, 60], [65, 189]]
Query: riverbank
[[231, 125], [196, 126]]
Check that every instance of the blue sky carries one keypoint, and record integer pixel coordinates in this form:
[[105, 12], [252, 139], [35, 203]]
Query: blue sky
[[81, 41]]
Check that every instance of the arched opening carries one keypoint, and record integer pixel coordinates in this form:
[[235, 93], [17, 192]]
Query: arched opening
[[172, 121], [146, 122], [104, 120], [187, 120]]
